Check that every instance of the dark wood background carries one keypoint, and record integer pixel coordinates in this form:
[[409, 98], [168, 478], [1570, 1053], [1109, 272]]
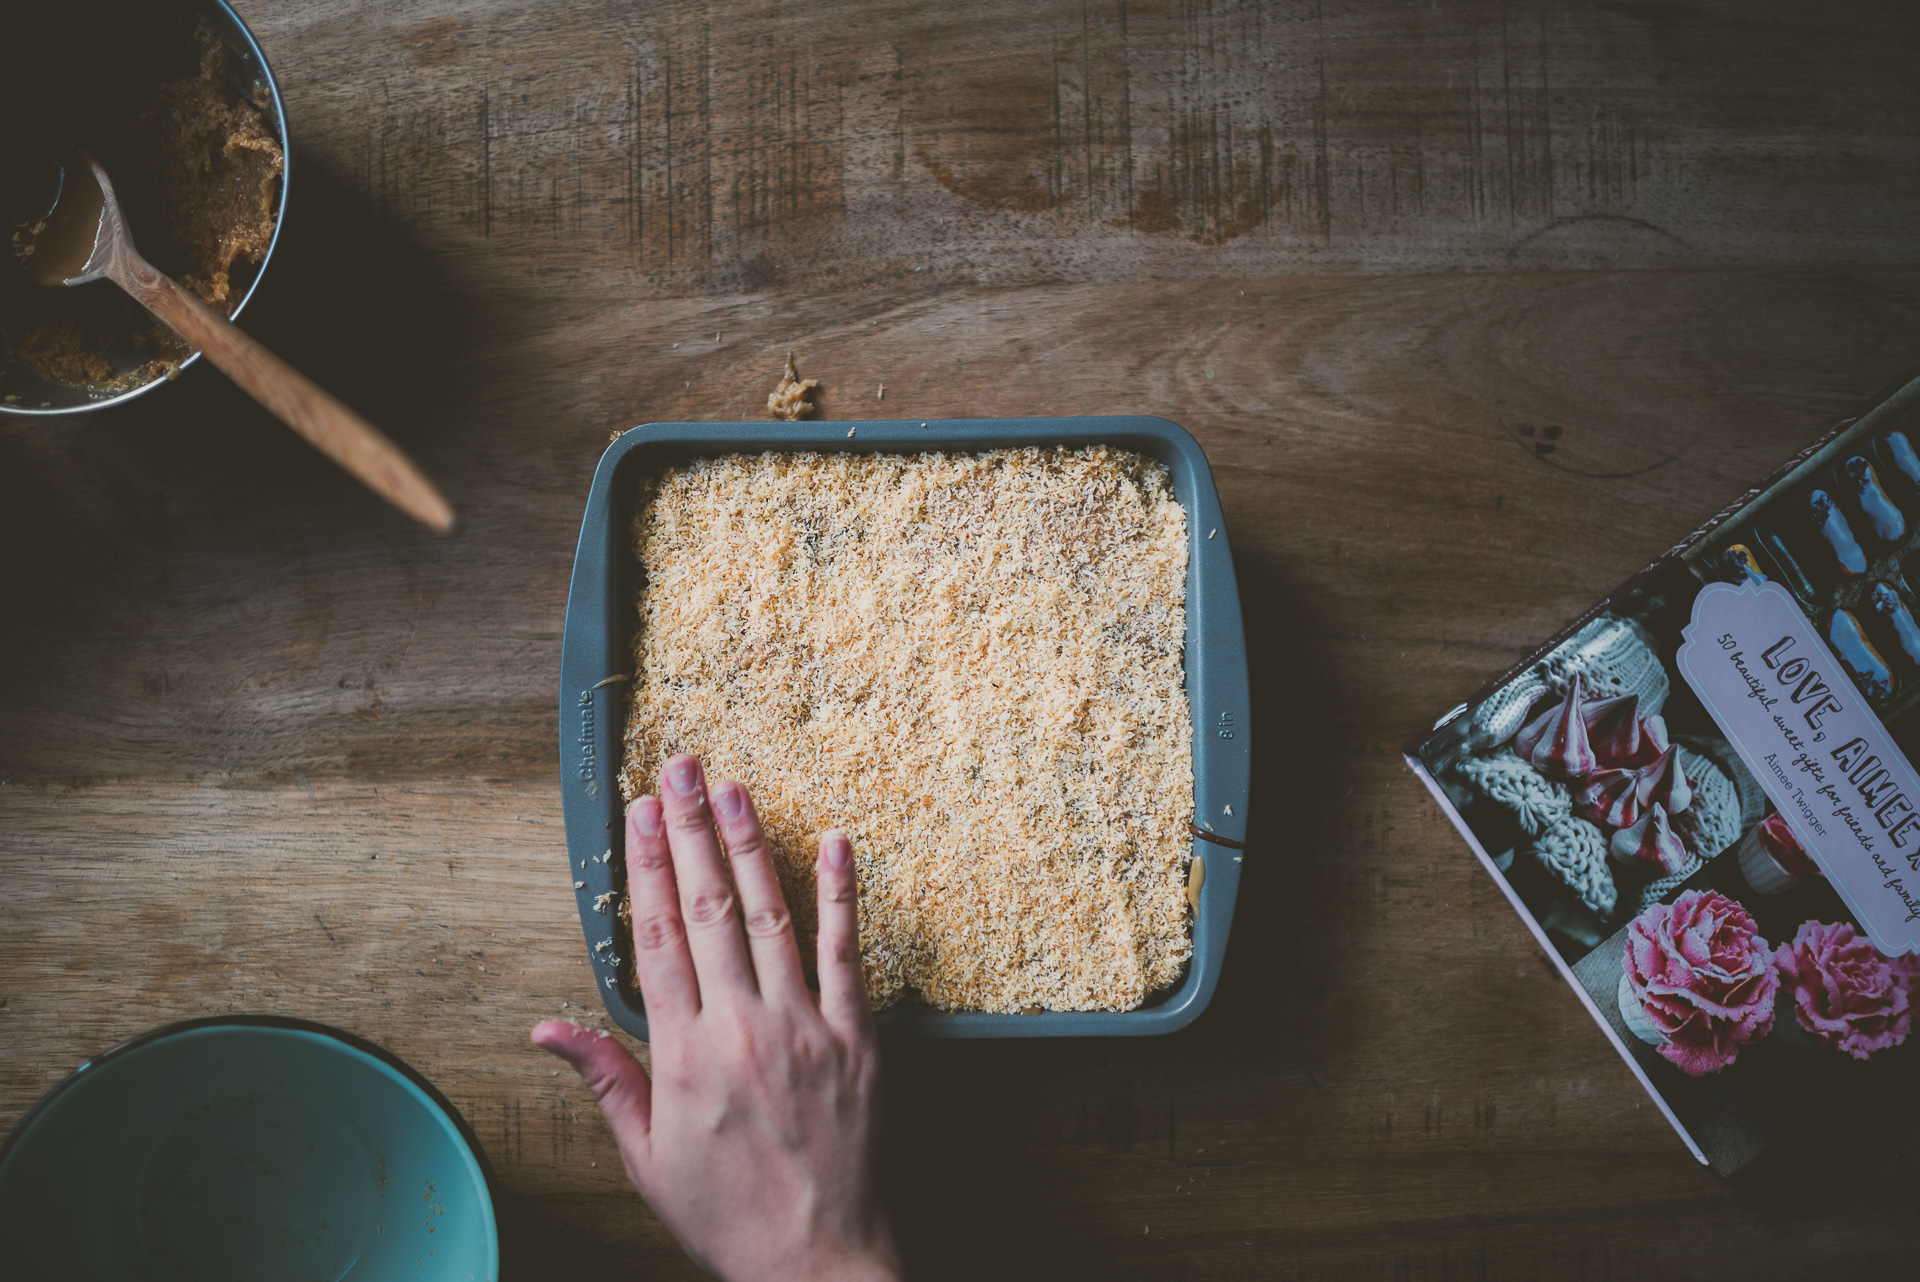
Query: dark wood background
[[1475, 308]]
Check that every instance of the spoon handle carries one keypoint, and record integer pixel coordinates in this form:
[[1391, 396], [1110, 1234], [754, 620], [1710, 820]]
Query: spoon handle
[[331, 427]]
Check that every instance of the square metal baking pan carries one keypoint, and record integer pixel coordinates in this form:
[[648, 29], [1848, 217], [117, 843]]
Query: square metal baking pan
[[598, 645]]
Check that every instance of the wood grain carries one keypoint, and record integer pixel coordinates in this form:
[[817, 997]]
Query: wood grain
[[1474, 311], [756, 145]]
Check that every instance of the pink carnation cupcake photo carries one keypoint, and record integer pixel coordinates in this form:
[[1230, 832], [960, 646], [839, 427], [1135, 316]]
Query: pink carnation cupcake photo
[[1847, 993], [1698, 981]]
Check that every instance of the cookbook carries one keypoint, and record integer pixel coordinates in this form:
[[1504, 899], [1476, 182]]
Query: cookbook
[[1701, 798]]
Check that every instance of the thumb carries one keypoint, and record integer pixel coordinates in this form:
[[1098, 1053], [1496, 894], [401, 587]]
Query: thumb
[[617, 1081]]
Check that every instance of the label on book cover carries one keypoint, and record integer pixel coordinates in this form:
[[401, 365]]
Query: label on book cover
[[1804, 730]]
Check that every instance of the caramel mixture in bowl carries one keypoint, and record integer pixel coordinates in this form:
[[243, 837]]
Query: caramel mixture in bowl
[[217, 168], [190, 143]]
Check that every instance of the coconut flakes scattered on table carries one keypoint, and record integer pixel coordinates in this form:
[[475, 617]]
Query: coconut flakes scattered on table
[[970, 662]]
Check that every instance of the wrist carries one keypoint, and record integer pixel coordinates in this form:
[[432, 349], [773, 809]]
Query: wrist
[[871, 1269], [876, 1264]]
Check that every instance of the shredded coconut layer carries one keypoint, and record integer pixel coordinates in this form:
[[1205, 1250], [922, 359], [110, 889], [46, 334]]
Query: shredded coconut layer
[[970, 662]]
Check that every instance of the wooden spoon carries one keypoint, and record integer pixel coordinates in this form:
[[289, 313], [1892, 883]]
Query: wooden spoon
[[83, 238]]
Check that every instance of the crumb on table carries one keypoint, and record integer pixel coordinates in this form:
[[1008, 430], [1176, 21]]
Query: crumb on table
[[789, 400]]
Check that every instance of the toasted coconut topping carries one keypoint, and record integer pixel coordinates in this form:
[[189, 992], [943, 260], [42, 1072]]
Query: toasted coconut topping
[[972, 663]]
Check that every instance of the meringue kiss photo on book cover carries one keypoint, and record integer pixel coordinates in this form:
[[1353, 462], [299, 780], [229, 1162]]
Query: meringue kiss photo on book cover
[[1702, 800]]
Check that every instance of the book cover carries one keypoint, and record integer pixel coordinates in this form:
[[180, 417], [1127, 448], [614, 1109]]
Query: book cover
[[1701, 798]]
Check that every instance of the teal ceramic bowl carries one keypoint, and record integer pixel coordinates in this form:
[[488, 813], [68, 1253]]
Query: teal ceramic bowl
[[254, 1148]]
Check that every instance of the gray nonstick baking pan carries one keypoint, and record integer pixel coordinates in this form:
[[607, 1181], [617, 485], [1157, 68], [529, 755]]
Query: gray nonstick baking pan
[[598, 646]]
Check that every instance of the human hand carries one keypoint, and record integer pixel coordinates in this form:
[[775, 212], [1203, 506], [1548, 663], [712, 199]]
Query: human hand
[[754, 1138]]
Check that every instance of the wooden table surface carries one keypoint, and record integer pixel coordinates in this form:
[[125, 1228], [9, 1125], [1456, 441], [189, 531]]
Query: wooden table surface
[[1475, 308]]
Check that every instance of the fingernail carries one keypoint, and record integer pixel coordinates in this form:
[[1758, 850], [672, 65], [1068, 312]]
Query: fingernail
[[559, 1047], [730, 799], [646, 816], [835, 849], [683, 776]]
